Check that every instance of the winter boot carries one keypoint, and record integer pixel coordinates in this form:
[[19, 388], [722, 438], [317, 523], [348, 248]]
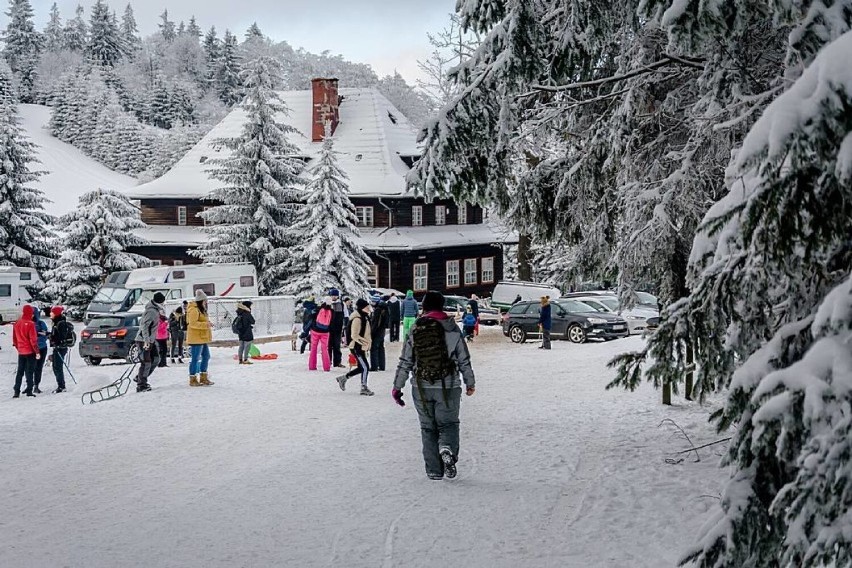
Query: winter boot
[[193, 381], [59, 390], [341, 382], [449, 462], [365, 391], [180, 361], [143, 388], [16, 395], [247, 362], [435, 476], [37, 390], [173, 360], [202, 379]]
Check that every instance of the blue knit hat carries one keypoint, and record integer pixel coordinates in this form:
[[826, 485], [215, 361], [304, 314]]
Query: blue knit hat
[[334, 292]]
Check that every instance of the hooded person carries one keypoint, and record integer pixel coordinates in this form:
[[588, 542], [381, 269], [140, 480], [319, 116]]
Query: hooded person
[[319, 332], [25, 341], [309, 312], [335, 332], [409, 313], [244, 326], [435, 353], [359, 345], [199, 334], [146, 340], [177, 323], [61, 336], [394, 317], [378, 327], [43, 335]]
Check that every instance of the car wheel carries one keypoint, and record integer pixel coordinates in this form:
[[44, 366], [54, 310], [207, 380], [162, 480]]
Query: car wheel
[[94, 361], [517, 335], [133, 354], [576, 334]]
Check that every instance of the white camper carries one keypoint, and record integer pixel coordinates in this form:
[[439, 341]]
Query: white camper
[[137, 287], [506, 292], [13, 290]]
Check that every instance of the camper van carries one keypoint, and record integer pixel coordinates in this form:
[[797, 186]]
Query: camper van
[[130, 291], [506, 292], [13, 290]]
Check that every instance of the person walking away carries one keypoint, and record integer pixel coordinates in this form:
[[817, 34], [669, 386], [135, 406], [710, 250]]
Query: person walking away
[[309, 312], [409, 313], [378, 327], [25, 341], [473, 304], [320, 336], [338, 321], [394, 317], [244, 326], [60, 337], [436, 354], [177, 320], [545, 322], [359, 330], [163, 339], [146, 340], [198, 336], [468, 324], [42, 333]]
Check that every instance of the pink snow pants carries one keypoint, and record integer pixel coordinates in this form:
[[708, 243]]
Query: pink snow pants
[[319, 341]]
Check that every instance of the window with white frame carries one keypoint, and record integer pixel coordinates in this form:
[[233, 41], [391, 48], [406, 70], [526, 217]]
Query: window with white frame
[[452, 274], [421, 277], [177, 263], [156, 263], [417, 216], [365, 216], [488, 270], [440, 214], [469, 271], [181, 215], [463, 214], [373, 275]]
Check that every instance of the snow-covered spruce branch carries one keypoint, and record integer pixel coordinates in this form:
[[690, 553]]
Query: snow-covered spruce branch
[[650, 68]]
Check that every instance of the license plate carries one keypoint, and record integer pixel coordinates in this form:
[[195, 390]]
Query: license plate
[[99, 335], [618, 328]]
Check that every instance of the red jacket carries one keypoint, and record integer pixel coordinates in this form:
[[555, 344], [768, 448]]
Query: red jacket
[[24, 336]]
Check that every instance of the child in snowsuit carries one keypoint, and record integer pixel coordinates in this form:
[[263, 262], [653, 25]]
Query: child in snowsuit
[[244, 326], [469, 324], [408, 310]]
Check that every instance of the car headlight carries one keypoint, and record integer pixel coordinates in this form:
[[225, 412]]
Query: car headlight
[[594, 321], [634, 317]]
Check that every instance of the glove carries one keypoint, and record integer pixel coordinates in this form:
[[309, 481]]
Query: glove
[[397, 397]]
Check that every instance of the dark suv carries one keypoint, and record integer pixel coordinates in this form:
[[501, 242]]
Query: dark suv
[[571, 320], [110, 337]]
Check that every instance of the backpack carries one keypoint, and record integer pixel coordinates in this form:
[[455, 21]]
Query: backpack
[[70, 336], [235, 325], [430, 351], [322, 323]]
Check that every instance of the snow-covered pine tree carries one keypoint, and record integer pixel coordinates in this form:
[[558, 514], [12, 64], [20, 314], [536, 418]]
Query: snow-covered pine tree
[[254, 33], [130, 40], [415, 105], [22, 47], [105, 44], [25, 229], [229, 83], [161, 113], [193, 29], [167, 27], [329, 254], [54, 38], [181, 29], [77, 32], [7, 84], [261, 196], [212, 54], [96, 237]]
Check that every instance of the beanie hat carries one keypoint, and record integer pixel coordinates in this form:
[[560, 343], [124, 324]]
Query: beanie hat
[[159, 298], [361, 303], [409, 294], [433, 302], [56, 311], [200, 296], [334, 292]]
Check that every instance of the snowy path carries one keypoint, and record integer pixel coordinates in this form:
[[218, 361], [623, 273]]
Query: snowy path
[[69, 172], [274, 466]]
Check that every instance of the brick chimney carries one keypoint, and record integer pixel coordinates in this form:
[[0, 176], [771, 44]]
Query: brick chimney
[[326, 107]]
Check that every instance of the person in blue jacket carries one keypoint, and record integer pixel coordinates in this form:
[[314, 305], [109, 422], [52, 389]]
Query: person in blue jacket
[[43, 334], [468, 324], [545, 322], [309, 312], [408, 311]]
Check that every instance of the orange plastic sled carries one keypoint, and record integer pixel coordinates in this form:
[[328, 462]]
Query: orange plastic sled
[[265, 357]]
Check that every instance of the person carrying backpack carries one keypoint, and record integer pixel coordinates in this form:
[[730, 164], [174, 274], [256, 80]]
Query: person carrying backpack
[[176, 332], [394, 317], [243, 326], [408, 309], [378, 327], [359, 345], [61, 338], [309, 312], [437, 356], [320, 330]]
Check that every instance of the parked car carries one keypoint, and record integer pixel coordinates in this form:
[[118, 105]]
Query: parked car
[[110, 337], [637, 318], [455, 307], [506, 292], [640, 299], [572, 320]]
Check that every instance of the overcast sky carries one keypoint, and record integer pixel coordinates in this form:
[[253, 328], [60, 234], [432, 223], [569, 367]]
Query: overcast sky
[[387, 34]]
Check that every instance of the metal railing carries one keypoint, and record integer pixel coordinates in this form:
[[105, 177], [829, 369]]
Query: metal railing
[[273, 315]]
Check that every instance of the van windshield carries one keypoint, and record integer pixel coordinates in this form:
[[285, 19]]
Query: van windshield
[[110, 295]]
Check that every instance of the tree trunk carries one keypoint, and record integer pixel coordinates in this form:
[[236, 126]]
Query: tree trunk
[[667, 394], [690, 360], [524, 257]]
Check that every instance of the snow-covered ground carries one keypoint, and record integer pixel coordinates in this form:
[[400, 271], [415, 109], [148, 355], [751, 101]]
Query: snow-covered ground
[[70, 173], [274, 466]]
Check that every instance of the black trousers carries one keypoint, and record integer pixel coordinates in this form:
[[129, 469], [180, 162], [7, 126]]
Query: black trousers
[[177, 344], [377, 354], [163, 350], [26, 366], [59, 354], [394, 330], [150, 360], [363, 367], [39, 367], [334, 338]]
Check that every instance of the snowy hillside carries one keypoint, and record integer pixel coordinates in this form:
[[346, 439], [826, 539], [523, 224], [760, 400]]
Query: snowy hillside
[[70, 172]]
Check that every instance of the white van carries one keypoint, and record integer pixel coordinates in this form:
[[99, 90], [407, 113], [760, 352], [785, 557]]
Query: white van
[[506, 292], [13, 291], [130, 291]]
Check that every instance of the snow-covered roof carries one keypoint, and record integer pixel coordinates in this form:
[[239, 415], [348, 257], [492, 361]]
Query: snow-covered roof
[[371, 137], [395, 239]]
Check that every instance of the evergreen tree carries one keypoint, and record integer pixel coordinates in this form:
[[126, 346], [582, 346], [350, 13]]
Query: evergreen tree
[[54, 37], [228, 72], [329, 255], [181, 29], [130, 41], [96, 237], [212, 56], [22, 47], [167, 27], [8, 94], [105, 44], [77, 32], [254, 33], [261, 195], [193, 29], [161, 112], [25, 229]]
